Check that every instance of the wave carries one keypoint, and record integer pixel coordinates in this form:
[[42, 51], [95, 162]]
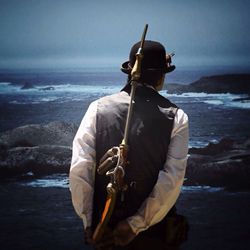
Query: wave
[[226, 99], [35, 101], [93, 88], [4, 84], [54, 180], [201, 144], [201, 94], [205, 95], [8, 88], [194, 189], [76, 92], [62, 181], [239, 104], [62, 93], [214, 102]]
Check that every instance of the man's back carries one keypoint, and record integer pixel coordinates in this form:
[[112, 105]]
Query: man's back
[[149, 137]]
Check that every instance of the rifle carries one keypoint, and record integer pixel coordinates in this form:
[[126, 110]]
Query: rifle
[[117, 156]]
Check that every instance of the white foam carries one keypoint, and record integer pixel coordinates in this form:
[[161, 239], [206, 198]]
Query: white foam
[[91, 89], [239, 104], [49, 99], [194, 189], [197, 144], [202, 95], [72, 92], [226, 99], [8, 88], [62, 181], [83, 88], [61, 92], [4, 84], [36, 100], [214, 102], [16, 102], [55, 180], [201, 144]]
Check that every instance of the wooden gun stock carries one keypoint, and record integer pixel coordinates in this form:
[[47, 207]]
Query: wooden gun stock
[[107, 212]]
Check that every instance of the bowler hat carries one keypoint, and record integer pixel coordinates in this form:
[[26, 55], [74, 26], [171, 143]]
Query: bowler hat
[[154, 58]]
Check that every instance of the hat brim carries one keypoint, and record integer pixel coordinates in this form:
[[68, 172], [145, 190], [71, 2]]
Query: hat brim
[[126, 68]]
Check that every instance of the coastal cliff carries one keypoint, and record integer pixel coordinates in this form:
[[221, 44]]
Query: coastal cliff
[[234, 84]]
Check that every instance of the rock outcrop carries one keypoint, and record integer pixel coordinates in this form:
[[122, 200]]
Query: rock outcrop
[[224, 164], [27, 85], [40, 149], [46, 149], [234, 84], [54, 133]]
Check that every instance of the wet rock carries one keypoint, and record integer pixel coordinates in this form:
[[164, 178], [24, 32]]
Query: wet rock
[[41, 149], [47, 88], [54, 133], [27, 85], [214, 148], [232, 83], [40, 160], [46, 149], [226, 163]]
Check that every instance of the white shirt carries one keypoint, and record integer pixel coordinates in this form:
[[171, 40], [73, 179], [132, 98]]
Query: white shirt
[[165, 191]]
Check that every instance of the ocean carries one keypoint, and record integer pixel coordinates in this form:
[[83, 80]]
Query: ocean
[[41, 203], [40, 97]]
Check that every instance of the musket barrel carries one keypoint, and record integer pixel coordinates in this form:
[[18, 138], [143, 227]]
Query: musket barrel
[[143, 36], [129, 116], [135, 74]]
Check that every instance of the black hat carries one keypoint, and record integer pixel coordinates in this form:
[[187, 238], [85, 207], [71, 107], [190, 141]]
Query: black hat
[[154, 59]]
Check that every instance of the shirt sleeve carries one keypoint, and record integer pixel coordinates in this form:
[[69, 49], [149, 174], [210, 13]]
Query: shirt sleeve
[[170, 179], [82, 170]]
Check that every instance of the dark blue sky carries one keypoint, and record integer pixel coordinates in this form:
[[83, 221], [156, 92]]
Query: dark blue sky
[[79, 33]]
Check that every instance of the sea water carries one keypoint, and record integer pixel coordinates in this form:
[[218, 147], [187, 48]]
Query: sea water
[[65, 96], [62, 181]]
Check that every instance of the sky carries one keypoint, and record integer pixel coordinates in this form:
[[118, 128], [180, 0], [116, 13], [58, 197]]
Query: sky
[[80, 33]]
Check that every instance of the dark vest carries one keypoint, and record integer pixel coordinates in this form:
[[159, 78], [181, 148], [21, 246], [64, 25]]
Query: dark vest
[[149, 138]]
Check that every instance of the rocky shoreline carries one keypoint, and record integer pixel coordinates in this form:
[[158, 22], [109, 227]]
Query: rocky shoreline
[[40, 149], [226, 164], [46, 149], [234, 84]]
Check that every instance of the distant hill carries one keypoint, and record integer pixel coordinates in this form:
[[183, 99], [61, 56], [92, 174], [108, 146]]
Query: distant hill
[[233, 83]]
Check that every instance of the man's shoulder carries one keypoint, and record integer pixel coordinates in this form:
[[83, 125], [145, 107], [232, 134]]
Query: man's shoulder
[[164, 100], [181, 117]]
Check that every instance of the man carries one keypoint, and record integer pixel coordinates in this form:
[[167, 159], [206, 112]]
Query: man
[[157, 156]]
